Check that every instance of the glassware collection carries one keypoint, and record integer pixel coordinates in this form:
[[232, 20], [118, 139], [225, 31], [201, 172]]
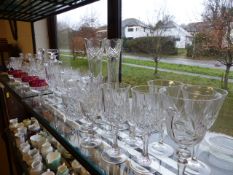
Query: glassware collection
[[184, 112]]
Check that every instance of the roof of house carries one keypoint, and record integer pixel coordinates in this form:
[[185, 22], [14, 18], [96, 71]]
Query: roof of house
[[133, 22]]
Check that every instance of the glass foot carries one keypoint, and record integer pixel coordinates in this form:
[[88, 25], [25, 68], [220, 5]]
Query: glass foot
[[141, 166], [113, 156], [90, 142], [196, 167], [134, 143], [161, 149]]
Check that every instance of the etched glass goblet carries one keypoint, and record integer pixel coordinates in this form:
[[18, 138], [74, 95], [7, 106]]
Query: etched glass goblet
[[188, 113], [195, 166]]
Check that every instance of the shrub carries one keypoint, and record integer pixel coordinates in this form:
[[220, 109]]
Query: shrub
[[148, 45]]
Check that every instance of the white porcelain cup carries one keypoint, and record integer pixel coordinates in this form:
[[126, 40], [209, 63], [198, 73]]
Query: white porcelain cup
[[36, 167], [46, 148]]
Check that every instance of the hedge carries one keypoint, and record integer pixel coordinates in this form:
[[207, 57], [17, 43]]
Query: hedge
[[148, 45]]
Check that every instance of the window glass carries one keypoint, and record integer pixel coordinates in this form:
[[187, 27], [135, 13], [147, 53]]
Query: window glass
[[180, 40]]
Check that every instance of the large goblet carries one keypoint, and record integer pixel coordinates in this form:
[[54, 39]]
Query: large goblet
[[95, 51], [195, 166], [160, 148], [145, 106], [188, 113], [113, 51], [115, 110]]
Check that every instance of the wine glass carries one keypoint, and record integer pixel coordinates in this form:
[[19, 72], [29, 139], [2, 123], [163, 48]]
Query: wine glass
[[145, 108], [115, 110], [188, 116], [113, 51], [90, 105], [195, 166], [160, 148]]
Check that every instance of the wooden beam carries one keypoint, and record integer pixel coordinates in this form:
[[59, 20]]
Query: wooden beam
[[114, 24]]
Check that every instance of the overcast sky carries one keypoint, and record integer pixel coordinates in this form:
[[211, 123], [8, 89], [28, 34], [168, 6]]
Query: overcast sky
[[183, 11]]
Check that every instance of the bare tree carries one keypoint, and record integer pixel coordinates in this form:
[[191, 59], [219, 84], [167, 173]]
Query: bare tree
[[219, 13], [85, 29], [158, 30]]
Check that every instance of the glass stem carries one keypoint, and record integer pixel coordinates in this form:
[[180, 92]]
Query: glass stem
[[115, 143], [132, 132], [145, 145], [183, 154], [161, 133], [194, 152]]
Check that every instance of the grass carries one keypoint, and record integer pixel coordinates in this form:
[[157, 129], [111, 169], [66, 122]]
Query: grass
[[137, 76], [180, 67]]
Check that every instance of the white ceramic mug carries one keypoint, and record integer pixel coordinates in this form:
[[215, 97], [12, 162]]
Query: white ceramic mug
[[36, 167]]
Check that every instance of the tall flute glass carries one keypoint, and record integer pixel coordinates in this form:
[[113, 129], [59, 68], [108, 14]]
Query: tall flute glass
[[160, 148], [113, 52], [95, 51], [187, 116], [116, 106], [145, 106]]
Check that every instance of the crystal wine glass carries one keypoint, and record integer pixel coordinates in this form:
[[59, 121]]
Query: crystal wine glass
[[160, 148], [195, 166], [116, 106], [145, 107], [187, 116]]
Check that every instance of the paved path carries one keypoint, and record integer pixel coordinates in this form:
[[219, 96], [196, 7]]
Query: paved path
[[177, 72], [184, 61]]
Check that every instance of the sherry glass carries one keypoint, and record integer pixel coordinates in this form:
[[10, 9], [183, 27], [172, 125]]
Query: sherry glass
[[115, 109], [160, 148], [145, 106], [188, 113]]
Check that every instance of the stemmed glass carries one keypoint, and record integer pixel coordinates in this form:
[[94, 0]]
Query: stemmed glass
[[115, 110], [145, 108], [160, 148], [188, 116], [195, 166], [90, 105]]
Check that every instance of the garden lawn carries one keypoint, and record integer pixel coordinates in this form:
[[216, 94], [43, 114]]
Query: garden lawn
[[180, 67]]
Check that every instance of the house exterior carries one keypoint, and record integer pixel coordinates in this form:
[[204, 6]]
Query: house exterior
[[173, 30], [134, 28]]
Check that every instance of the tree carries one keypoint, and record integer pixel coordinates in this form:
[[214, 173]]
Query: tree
[[85, 29], [158, 30], [219, 14]]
